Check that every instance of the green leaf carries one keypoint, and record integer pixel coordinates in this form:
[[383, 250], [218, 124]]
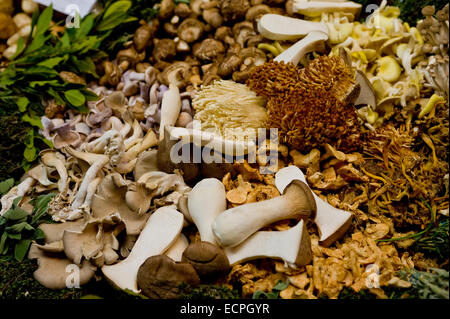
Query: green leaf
[[16, 228], [114, 15], [6, 185], [85, 27], [20, 47], [42, 83], [90, 96], [52, 62], [22, 103], [15, 214], [16, 202], [15, 236], [37, 43], [32, 119], [281, 285], [43, 23], [21, 249], [75, 97], [38, 234], [86, 66], [3, 243], [30, 153]]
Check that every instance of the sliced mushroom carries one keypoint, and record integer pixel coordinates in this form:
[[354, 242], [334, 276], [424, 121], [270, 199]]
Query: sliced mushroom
[[278, 27]]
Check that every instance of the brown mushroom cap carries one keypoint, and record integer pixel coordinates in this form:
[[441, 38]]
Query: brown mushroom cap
[[165, 49], [183, 10], [190, 30], [159, 277], [213, 17], [207, 259], [166, 9], [177, 73], [208, 49], [233, 10]]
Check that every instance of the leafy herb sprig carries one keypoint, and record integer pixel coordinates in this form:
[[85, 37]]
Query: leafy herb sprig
[[38, 70], [274, 294], [18, 228]]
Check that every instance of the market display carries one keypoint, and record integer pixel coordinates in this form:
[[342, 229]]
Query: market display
[[224, 149]]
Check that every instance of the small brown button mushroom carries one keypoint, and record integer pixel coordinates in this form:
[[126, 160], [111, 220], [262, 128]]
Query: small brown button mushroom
[[171, 29], [159, 277], [183, 10], [213, 17], [256, 12], [177, 73], [222, 32], [129, 57], [165, 49], [229, 65], [166, 9], [190, 30], [195, 6], [182, 46], [233, 10], [207, 259], [7, 27], [142, 36], [208, 49], [242, 31]]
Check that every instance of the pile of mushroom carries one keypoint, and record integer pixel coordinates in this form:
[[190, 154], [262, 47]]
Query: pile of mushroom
[[124, 209], [14, 27]]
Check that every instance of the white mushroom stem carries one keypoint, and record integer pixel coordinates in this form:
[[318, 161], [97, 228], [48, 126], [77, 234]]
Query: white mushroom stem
[[205, 202], [137, 134], [314, 8], [57, 160], [170, 108], [293, 246], [97, 161], [212, 141], [175, 252], [312, 42], [236, 224], [331, 222], [160, 232], [278, 27], [17, 191]]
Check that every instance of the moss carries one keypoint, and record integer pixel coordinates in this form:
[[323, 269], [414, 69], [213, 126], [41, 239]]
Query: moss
[[12, 136], [208, 292], [17, 282]]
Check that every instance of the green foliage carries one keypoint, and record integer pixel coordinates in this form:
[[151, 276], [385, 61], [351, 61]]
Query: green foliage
[[18, 229], [428, 285], [435, 244], [207, 292], [274, 294], [6, 185], [33, 74]]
